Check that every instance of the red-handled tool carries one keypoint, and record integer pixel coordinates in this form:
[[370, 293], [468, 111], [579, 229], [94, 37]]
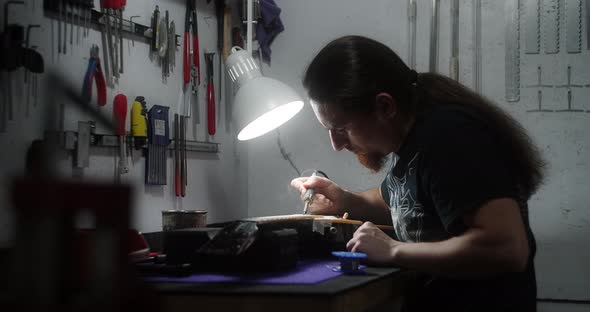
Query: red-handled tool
[[191, 26], [120, 115], [210, 94], [176, 155]]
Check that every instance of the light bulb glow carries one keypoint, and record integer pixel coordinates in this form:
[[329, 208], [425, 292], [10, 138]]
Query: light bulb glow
[[270, 120]]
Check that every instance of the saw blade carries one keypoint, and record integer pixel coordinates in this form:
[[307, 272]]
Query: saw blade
[[512, 40], [532, 27], [550, 18], [573, 15]]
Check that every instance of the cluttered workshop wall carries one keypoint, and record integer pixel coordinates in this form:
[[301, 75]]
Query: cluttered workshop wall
[[214, 179], [541, 76]]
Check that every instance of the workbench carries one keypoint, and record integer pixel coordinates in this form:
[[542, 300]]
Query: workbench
[[378, 290]]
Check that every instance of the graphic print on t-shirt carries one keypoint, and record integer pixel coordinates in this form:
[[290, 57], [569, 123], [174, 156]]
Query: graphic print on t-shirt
[[407, 212]]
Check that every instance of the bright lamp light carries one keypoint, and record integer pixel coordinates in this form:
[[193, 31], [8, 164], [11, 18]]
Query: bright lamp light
[[261, 104]]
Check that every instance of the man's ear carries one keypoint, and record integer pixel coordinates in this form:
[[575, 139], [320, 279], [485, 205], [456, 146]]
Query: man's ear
[[385, 106]]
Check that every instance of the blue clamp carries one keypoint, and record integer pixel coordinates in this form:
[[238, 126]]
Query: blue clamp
[[349, 261]]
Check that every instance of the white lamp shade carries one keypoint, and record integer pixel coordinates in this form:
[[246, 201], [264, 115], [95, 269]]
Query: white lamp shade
[[261, 103]]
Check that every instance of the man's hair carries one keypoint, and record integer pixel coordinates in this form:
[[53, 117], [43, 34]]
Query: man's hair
[[350, 71]]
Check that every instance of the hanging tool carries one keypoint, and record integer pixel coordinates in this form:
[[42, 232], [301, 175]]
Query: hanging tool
[[159, 138], [122, 4], [120, 114], [27, 41], [163, 44], [78, 13], [191, 65], [171, 53], [227, 41], [210, 94], [512, 60], [177, 179], [94, 72], [573, 17], [477, 46], [454, 62], [532, 27], [71, 13], [183, 167], [155, 24], [220, 14], [412, 33], [551, 18], [27, 80], [11, 44], [131, 21], [34, 84], [308, 197], [106, 6], [587, 5], [139, 122], [59, 22], [182, 118], [434, 36]]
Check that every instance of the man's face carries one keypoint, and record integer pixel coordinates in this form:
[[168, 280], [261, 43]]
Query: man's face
[[362, 134]]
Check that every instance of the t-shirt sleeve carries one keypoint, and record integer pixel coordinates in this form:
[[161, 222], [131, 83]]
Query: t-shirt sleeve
[[464, 167], [385, 190]]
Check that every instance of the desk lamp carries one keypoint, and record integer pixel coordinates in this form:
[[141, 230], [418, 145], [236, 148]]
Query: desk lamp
[[261, 103]]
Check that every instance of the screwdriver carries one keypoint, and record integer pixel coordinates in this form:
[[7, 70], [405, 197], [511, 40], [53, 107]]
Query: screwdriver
[[308, 198], [210, 94]]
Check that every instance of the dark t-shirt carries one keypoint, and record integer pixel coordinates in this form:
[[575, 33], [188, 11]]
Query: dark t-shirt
[[450, 164]]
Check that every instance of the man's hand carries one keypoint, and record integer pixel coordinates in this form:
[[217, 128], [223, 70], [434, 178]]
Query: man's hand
[[369, 239], [328, 195]]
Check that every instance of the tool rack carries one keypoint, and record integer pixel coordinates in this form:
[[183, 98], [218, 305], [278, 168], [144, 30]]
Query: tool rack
[[130, 29], [68, 140]]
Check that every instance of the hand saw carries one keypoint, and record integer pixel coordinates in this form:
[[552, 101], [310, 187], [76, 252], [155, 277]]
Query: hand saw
[[512, 60], [573, 35], [550, 18]]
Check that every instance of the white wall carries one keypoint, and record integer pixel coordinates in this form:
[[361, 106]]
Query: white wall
[[559, 211], [215, 181]]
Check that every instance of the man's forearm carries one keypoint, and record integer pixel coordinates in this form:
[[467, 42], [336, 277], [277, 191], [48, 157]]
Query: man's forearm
[[366, 206], [465, 256]]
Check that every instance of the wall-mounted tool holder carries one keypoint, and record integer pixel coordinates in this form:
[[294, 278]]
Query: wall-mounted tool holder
[[81, 141], [97, 20], [68, 140]]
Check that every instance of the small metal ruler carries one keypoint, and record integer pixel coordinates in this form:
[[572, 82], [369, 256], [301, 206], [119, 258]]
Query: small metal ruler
[[551, 17], [573, 15], [454, 62], [512, 40], [412, 33], [532, 27]]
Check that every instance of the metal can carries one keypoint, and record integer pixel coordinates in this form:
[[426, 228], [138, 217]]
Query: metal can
[[183, 219]]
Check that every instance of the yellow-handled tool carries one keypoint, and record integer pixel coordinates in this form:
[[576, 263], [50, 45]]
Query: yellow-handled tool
[[139, 122]]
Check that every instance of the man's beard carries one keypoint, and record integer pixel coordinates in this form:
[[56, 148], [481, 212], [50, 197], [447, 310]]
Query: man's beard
[[373, 161]]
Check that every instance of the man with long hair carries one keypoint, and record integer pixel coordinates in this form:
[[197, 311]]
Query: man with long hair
[[462, 173]]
